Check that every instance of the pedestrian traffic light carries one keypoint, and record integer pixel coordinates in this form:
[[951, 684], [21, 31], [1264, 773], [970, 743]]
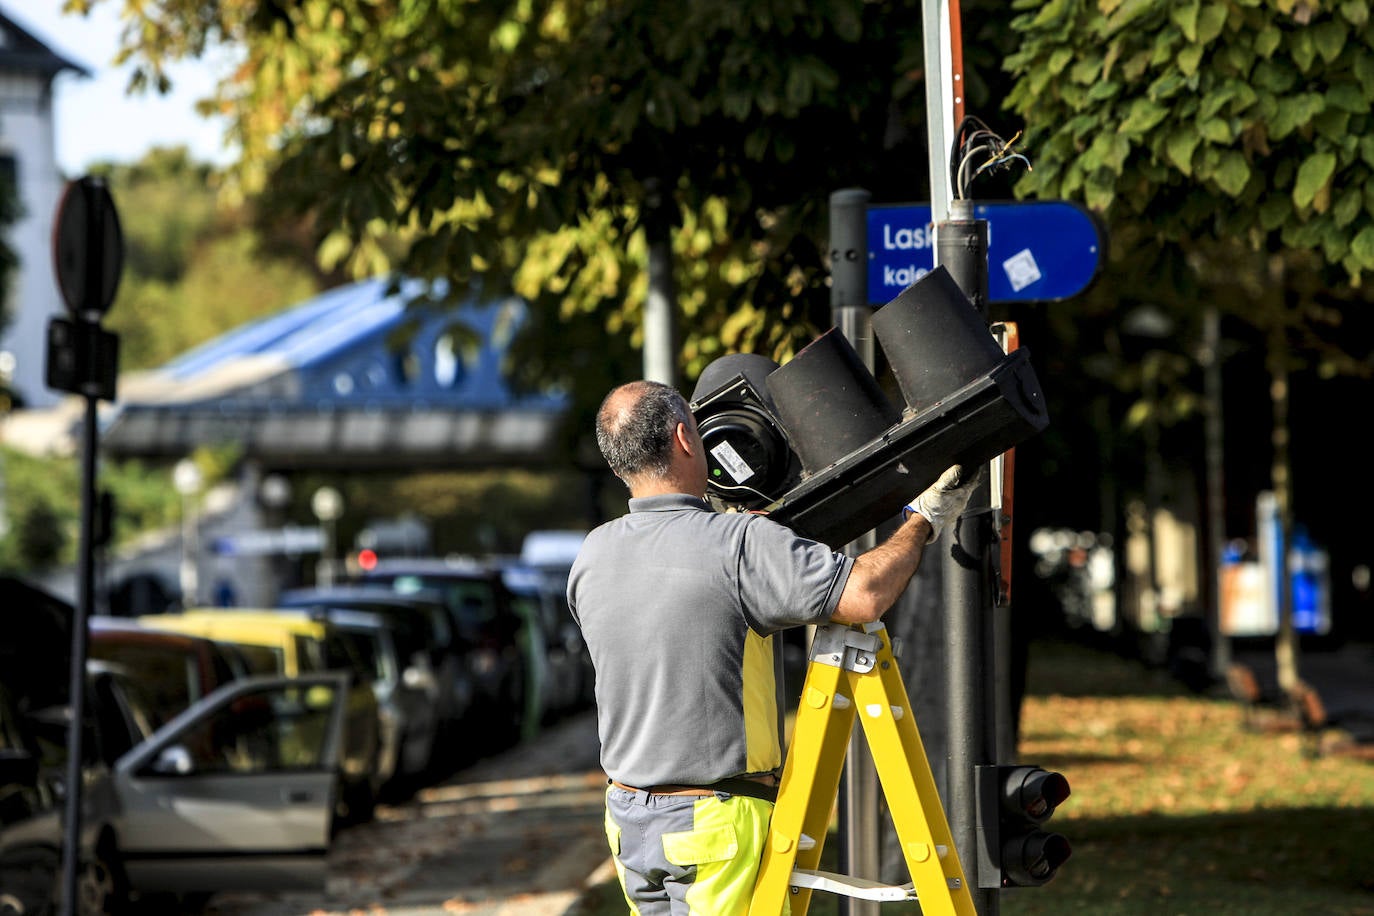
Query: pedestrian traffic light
[[816, 443], [1014, 802]]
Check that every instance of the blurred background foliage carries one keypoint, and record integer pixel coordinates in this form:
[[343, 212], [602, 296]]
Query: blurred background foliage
[[539, 146]]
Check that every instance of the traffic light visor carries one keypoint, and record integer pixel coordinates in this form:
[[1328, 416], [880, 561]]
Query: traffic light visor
[[817, 445]]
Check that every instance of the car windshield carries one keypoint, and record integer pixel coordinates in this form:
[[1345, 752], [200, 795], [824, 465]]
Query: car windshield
[[366, 649], [473, 600], [262, 659], [167, 677]]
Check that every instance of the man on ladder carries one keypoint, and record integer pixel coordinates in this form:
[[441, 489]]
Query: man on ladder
[[678, 605]]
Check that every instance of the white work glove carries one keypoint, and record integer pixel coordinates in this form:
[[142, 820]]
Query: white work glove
[[943, 500]]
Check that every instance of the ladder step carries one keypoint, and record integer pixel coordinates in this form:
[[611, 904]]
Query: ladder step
[[806, 843], [851, 886]]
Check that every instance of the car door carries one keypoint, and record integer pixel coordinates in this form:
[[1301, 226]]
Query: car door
[[237, 792]]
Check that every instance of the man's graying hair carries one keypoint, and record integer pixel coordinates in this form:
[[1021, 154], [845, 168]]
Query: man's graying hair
[[635, 426]]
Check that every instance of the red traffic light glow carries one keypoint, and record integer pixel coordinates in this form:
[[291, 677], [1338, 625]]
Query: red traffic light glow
[[367, 559]]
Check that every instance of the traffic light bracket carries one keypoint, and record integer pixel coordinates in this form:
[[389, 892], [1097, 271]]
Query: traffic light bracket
[[852, 671]]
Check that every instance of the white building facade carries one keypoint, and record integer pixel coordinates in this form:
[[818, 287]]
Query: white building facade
[[28, 159]]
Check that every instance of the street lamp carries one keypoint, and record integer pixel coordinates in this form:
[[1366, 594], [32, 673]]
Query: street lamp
[[327, 504], [274, 495], [186, 479]]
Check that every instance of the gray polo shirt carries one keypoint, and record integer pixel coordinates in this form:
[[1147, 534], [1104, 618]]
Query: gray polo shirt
[[678, 604]]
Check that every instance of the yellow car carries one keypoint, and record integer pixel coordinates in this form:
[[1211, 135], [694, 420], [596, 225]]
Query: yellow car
[[271, 642]]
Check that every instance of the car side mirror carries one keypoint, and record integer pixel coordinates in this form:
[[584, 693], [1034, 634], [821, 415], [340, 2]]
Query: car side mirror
[[174, 761]]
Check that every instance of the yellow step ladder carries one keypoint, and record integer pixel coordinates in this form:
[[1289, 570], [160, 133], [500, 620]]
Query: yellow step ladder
[[852, 672]]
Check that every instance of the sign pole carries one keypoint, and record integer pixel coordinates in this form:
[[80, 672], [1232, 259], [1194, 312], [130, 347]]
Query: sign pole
[[961, 244], [88, 252], [859, 832]]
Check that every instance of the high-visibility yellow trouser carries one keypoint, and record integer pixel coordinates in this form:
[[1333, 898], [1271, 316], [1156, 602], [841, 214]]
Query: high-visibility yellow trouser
[[686, 855]]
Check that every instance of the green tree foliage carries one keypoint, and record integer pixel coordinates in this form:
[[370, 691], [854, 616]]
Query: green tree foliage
[[195, 266], [42, 504], [1227, 142], [471, 512], [513, 143]]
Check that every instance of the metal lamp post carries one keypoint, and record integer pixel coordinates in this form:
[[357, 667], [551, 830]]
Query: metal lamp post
[[187, 480], [327, 504]]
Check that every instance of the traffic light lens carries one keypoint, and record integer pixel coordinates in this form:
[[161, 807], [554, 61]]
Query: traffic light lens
[[743, 450], [1034, 793], [1031, 859], [748, 457]]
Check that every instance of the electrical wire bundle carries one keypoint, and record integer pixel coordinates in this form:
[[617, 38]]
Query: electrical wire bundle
[[978, 150]]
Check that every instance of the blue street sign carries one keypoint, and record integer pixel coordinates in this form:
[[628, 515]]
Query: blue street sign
[[1038, 251]]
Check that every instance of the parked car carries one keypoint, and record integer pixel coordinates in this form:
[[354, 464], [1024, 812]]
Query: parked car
[[174, 669], [551, 554], [235, 792], [498, 644], [287, 644], [422, 626], [564, 674], [406, 689]]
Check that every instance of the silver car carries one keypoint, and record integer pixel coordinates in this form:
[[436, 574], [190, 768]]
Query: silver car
[[234, 793]]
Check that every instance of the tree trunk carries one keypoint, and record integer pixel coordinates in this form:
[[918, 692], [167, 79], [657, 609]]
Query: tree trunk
[[1286, 644]]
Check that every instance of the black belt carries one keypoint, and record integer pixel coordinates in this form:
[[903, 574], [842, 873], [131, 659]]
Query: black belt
[[731, 785], [749, 788]]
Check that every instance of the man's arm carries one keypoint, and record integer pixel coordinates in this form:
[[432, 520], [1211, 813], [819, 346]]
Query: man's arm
[[880, 575]]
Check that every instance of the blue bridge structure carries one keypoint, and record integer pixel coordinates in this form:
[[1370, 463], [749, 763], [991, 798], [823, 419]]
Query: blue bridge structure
[[361, 376]]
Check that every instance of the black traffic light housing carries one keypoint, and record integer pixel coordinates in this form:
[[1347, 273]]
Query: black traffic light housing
[[1014, 802], [749, 456], [817, 444]]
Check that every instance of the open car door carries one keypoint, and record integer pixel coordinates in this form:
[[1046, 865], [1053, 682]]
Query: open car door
[[237, 792]]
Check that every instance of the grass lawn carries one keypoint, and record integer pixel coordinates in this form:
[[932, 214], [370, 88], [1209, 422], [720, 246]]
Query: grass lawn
[[1177, 808]]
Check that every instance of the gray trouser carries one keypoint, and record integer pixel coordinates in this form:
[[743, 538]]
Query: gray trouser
[[686, 855]]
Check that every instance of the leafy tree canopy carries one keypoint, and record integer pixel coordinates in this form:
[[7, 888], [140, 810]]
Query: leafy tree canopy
[[521, 145], [1235, 135], [194, 268]]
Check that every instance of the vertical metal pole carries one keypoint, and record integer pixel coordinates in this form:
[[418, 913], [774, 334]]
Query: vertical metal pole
[[660, 330], [939, 105], [965, 557], [971, 648], [851, 313], [71, 822]]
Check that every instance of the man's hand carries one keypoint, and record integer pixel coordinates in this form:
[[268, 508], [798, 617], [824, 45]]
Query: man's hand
[[945, 498]]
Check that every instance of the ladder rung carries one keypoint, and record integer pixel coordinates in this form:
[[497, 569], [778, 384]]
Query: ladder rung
[[851, 886]]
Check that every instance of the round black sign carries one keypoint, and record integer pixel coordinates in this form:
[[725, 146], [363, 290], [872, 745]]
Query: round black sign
[[88, 248]]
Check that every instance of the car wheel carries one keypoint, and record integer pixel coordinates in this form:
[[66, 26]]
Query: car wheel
[[100, 886]]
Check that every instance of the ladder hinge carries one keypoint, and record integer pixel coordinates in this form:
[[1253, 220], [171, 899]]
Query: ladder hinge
[[845, 647]]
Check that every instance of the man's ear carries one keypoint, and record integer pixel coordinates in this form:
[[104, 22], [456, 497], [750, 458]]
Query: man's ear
[[683, 436]]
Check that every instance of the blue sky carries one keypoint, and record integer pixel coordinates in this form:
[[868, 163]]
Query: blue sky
[[95, 119]]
